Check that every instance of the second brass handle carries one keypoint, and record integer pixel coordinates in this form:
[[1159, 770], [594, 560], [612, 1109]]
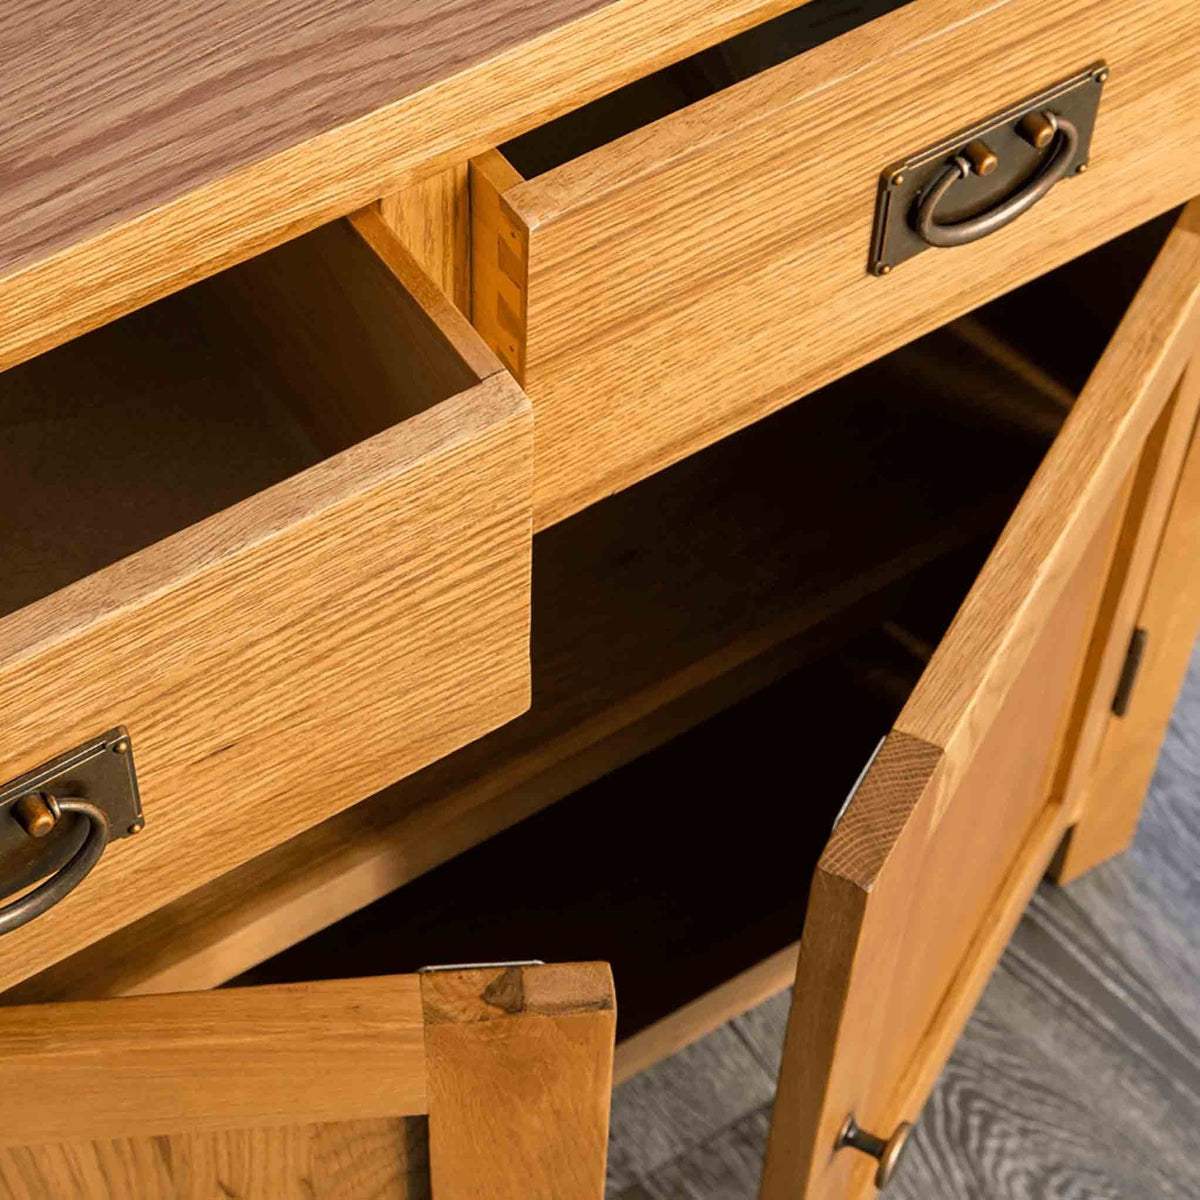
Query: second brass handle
[[46, 895], [1058, 162]]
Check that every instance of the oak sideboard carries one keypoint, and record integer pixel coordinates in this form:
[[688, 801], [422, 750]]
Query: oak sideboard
[[705, 496]]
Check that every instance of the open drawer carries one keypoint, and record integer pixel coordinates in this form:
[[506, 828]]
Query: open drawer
[[678, 259], [275, 532], [408, 1086]]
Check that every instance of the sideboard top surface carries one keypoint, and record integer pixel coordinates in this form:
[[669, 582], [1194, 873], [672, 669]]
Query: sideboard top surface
[[143, 146], [109, 109]]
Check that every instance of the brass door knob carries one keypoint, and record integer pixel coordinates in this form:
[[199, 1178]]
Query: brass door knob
[[887, 1152]]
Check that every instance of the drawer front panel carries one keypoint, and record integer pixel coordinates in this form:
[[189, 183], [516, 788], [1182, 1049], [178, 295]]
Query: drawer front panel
[[686, 279], [290, 655]]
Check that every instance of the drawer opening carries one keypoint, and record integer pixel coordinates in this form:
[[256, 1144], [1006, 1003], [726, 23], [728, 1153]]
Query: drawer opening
[[716, 653], [681, 84], [148, 425]]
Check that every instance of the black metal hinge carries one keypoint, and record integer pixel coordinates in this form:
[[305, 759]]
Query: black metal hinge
[[1129, 671]]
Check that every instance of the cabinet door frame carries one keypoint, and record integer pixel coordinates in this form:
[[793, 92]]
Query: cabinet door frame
[[868, 1033], [1154, 590], [303, 1089]]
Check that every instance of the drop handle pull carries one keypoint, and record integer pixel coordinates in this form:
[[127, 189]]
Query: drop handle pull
[[57, 820], [38, 813], [886, 1151], [976, 159]]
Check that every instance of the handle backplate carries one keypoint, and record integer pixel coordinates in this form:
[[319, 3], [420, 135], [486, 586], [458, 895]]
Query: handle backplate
[[902, 186], [101, 772]]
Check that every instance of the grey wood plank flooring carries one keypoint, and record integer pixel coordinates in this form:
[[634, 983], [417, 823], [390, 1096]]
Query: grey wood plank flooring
[[1077, 1077]]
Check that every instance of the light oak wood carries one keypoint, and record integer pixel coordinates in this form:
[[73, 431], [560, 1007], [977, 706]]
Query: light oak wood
[[344, 1160], [749, 213], [1119, 777], [292, 654], [155, 151], [433, 219], [631, 647], [1152, 490], [147, 1065], [944, 839], [690, 1023], [499, 261], [520, 1080], [310, 1090]]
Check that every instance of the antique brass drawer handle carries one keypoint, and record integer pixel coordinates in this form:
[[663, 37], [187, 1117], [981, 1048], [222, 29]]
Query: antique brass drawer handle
[[984, 176], [887, 1152], [1058, 162], [38, 814], [58, 819]]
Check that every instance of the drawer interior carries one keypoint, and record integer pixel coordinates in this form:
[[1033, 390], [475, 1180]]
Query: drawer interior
[[655, 96], [166, 416], [716, 653]]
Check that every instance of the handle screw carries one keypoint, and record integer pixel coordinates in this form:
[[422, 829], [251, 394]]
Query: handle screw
[[121, 747]]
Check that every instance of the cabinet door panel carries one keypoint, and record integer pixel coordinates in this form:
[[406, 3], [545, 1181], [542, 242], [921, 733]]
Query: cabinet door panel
[[480, 1081], [958, 816]]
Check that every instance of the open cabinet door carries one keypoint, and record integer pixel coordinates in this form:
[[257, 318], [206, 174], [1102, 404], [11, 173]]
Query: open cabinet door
[[962, 809], [477, 1082]]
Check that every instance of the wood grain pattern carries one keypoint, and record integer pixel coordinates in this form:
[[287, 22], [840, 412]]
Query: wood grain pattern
[[1078, 1075], [433, 219], [520, 1080], [347, 326], [846, 962], [1068, 499], [296, 1091], [749, 212], [1145, 899], [351, 1049], [633, 645], [499, 261], [934, 899], [1120, 774], [924, 866], [147, 151], [265, 658], [1152, 487], [345, 1160]]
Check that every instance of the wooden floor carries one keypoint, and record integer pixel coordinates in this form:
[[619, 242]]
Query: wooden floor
[[1078, 1076]]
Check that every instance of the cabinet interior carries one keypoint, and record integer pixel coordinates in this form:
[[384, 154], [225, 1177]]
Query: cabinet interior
[[716, 652], [168, 415]]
